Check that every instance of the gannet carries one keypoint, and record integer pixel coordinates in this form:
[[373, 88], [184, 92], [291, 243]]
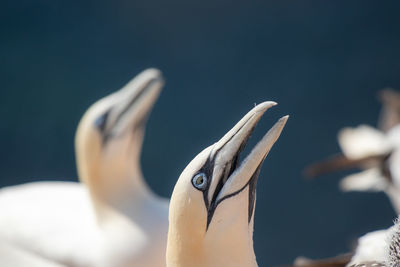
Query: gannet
[[212, 206], [379, 155], [375, 151], [379, 248], [112, 218], [372, 250]]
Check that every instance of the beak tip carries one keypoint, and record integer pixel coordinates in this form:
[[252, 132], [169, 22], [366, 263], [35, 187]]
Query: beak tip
[[154, 74], [262, 107], [284, 119]]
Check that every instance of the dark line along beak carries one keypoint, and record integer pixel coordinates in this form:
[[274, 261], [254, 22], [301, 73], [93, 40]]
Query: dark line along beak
[[251, 164], [340, 163], [134, 103], [229, 177]]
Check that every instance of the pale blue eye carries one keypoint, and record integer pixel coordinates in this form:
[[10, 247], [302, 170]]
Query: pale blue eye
[[200, 181]]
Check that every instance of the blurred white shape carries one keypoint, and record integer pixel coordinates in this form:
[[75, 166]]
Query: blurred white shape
[[16, 257], [371, 247], [110, 219], [363, 141], [368, 180]]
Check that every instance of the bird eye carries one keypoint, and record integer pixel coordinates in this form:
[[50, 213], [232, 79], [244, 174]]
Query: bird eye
[[101, 121], [200, 181]]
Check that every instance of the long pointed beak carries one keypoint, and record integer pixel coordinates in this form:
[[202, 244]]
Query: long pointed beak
[[228, 176], [225, 152], [248, 169], [242, 130], [135, 101]]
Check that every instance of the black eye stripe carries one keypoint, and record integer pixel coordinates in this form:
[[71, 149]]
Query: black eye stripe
[[101, 124], [133, 100], [208, 169], [101, 121]]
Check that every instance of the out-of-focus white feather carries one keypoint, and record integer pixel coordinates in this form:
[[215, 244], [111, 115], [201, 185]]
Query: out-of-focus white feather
[[49, 218], [363, 141], [16, 257], [371, 247], [112, 219], [368, 180]]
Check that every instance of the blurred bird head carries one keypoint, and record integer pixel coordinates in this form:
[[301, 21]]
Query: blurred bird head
[[212, 205], [109, 137], [370, 150], [375, 153]]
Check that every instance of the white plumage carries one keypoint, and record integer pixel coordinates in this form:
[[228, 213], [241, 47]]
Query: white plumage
[[377, 153], [112, 218], [371, 247], [365, 141], [16, 257]]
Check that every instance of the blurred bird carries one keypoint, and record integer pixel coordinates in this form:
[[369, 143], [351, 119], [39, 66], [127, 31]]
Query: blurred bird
[[16, 257], [212, 206], [372, 248], [376, 152], [112, 218], [369, 248], [375, 249]]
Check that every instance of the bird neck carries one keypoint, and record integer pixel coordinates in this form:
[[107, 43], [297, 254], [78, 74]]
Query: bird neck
[[236, 249], [232, 246], [116, 188]]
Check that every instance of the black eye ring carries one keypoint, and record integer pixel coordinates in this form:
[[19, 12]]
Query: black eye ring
[[200, 181]]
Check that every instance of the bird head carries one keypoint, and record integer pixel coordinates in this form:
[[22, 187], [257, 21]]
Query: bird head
[[110, 134], [212, 205]]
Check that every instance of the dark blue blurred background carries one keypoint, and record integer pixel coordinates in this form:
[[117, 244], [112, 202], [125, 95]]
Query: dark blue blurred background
[[323, 61]]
